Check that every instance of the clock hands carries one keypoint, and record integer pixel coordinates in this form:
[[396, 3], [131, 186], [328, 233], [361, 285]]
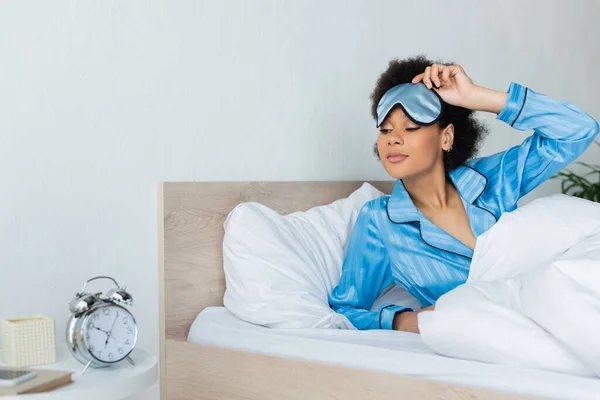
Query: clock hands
[[111, 328], [104, 332]]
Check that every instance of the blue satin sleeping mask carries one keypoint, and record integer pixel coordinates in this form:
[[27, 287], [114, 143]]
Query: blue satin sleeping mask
[[421, 105]]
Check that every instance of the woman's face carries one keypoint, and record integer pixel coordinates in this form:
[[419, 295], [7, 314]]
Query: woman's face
[[408, 150]]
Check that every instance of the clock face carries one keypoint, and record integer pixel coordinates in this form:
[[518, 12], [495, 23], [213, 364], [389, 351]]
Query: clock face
[[110, 332]]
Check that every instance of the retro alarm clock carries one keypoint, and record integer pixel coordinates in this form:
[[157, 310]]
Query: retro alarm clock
[[101, 330]]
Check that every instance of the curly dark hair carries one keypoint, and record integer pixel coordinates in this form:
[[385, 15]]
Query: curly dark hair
[[469, 133]]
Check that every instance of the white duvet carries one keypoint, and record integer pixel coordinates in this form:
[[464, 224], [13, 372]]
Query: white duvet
[[533, 294]]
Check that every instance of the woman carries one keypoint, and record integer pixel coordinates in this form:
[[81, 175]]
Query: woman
[[422, 236]]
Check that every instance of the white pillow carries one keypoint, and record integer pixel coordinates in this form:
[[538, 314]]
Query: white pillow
[[280, 270]]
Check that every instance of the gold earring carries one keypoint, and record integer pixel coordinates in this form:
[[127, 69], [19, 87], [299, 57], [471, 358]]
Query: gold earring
[[450, 149]]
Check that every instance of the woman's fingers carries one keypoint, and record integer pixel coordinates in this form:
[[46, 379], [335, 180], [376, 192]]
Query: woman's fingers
[[446, 75], [418, 78], [427, 77], [436, 69], [437, 74]]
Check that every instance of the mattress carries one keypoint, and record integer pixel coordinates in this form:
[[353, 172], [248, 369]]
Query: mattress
[[395, 352]]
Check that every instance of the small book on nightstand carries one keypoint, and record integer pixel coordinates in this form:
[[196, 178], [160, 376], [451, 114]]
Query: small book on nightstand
[[44, 381]]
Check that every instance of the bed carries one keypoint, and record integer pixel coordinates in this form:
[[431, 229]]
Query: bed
[[207, 353]]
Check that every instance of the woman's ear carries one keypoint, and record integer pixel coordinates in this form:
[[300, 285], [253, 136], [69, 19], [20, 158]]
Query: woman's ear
[[448, 138]]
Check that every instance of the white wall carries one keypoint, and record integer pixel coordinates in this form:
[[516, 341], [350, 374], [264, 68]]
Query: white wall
[[101, 100]]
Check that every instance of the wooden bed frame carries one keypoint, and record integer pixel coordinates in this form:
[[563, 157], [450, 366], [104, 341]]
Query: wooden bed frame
[[191, 278]]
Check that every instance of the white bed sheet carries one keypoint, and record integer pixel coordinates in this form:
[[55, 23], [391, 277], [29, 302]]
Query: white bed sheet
[[400, 353]]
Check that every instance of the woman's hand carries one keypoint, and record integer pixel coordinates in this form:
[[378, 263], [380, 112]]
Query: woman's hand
[[408, 321], [449, 81], [456, 88]]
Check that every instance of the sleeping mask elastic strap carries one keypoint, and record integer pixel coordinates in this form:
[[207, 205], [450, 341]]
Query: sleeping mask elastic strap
[[421, 105]]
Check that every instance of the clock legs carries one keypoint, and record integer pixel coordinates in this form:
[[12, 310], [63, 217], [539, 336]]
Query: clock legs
[[86, 366], [90, 362]]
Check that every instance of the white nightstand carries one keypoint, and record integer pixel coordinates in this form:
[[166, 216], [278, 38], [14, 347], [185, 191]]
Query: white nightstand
[[117, 382]]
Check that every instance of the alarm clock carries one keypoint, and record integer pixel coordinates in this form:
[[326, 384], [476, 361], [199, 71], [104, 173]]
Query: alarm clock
[[101, 330]]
